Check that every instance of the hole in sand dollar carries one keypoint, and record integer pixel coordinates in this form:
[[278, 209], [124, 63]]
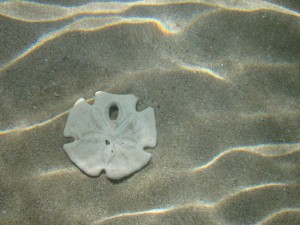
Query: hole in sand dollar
[[113, 112], [107, 142], [69, 139]]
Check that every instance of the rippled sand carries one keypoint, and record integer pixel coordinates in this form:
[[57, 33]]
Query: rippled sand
[[222, 76]]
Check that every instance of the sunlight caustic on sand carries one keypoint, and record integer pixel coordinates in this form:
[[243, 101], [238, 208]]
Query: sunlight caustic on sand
[[38, 12], [278, 214], [84, 25], [198, 204], [222, 77], [265, 150], [39, 124]]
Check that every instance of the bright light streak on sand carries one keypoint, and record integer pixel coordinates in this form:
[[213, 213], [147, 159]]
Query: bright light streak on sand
[[85, 25], [58, 172], [198, 204], [38, 12], [268, 219], [251, 189], [265, 150], [36, 125], [132, 214], [208, 71]]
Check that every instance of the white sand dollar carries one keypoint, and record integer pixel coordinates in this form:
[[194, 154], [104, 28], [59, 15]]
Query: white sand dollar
[[110, 135]]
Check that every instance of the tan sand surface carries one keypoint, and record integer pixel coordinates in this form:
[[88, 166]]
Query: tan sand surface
[[222, 76]]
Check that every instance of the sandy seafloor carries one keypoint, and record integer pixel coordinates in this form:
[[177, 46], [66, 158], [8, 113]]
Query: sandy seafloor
[[222, 76]]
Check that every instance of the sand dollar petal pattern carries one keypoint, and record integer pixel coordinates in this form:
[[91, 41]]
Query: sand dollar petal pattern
[[110, 135]]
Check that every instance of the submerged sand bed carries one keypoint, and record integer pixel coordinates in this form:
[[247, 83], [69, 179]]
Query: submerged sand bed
[[224, 82]]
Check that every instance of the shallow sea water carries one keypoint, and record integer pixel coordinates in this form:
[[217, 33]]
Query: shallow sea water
[[223, 78]]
